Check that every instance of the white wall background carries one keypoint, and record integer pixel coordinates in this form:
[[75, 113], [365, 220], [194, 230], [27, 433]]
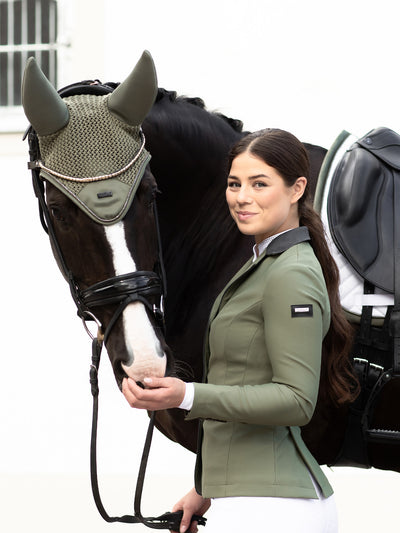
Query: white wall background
[[312, 67]]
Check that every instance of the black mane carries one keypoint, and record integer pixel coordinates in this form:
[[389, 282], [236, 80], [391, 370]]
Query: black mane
[[194, 217], [173, 96]]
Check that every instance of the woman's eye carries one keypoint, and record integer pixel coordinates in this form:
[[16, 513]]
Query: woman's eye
[[233, 185], [259, 184]]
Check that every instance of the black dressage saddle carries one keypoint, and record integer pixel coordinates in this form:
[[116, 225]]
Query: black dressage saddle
[[362, 206], [363, 211]]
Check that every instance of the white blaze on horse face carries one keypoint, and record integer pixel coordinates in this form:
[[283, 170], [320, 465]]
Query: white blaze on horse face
[[144, 348]]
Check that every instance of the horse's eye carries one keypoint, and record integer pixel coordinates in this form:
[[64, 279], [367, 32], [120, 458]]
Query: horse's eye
[[57, 213], [152, 196]]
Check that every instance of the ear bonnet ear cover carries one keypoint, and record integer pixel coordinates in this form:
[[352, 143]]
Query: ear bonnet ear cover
[[97, 158]]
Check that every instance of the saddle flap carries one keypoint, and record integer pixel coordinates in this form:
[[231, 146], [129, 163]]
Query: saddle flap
[[361, 209]]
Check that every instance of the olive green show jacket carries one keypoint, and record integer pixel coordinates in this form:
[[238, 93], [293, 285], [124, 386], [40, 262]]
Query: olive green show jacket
[[262, 360]]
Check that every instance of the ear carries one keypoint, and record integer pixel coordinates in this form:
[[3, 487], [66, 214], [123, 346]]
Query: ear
[[298, 189], [133, 99], [43, 106]]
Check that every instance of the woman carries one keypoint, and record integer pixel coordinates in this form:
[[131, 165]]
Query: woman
[[267, 331]]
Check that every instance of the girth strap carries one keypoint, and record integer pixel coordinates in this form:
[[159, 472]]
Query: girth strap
[[395, 317]]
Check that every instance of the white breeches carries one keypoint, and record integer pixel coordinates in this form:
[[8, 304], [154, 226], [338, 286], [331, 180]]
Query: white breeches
[[272, 515]]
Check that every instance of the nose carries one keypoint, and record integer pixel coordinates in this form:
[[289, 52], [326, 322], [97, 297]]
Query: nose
[[146, 355], [243, 196]]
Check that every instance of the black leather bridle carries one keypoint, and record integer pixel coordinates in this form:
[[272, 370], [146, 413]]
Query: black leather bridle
[[143, 286]]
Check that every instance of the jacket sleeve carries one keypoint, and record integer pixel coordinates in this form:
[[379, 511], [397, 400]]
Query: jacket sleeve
[[293, 345]]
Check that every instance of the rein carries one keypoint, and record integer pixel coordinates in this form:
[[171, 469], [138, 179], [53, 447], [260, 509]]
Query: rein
[[121, 290], [167, 520]]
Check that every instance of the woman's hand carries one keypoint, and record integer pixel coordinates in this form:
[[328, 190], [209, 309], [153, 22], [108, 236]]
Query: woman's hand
[[191, 504], [160, 393]]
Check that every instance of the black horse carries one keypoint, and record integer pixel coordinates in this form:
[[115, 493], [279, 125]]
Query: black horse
[[201, 249]]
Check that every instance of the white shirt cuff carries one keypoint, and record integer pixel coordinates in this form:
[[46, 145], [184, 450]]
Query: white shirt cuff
[[187, 402]]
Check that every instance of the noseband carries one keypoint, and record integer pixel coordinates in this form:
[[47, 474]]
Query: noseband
[[140, 286]]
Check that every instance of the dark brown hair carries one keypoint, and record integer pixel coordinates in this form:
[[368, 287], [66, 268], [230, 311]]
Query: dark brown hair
[[287, 155]]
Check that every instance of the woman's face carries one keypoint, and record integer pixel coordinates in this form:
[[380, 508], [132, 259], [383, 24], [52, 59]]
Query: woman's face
[[259, 201]]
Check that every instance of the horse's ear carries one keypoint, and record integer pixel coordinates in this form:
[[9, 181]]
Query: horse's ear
[[43, 106], [133, 99]]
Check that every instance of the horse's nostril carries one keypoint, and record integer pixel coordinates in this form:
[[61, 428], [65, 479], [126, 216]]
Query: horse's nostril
[[160, 352]]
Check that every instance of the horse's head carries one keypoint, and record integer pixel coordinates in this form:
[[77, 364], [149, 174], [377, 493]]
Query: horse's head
[[99, 207]]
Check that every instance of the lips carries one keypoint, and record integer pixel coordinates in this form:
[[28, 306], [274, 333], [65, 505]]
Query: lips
[[244, 215]]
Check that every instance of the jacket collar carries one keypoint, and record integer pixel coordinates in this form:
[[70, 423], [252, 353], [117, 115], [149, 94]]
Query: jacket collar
[[286, 240]]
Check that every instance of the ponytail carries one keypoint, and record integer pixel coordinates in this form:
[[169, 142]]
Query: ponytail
[[338, 382]]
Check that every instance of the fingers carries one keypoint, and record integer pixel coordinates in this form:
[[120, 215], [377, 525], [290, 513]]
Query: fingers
[[192, 503], [155, 383], [131, 391], [138, 397], [160, 393], [186, 521]]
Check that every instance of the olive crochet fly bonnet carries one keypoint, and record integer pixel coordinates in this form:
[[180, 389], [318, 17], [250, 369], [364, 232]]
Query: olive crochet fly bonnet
[[106, 126]]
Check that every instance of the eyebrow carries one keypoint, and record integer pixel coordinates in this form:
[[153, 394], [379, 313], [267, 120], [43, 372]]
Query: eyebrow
[[231, 176]]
